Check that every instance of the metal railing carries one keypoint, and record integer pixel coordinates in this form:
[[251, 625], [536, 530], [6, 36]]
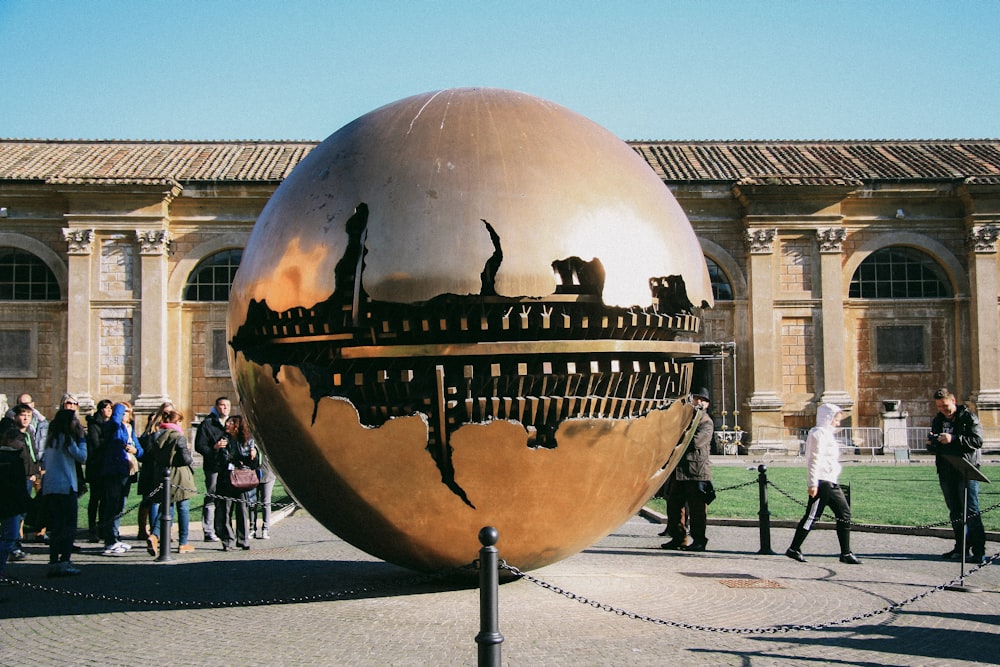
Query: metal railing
[[784, 440]]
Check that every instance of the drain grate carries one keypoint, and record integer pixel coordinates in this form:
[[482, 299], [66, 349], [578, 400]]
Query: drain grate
[[750, 583]]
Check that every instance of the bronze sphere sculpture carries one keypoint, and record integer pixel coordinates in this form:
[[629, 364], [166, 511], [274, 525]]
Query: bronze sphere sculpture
[[469, 307]]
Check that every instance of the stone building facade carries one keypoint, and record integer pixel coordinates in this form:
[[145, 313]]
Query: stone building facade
[[852, 272]]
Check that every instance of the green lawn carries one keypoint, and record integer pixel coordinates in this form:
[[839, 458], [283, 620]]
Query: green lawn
[[880, 494]]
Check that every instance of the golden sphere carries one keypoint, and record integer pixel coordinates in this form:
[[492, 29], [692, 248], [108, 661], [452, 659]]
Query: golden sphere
[[469, 308]]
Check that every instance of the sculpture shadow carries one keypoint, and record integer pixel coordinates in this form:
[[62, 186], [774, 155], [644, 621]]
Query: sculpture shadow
[[115, 586], [909, 644]]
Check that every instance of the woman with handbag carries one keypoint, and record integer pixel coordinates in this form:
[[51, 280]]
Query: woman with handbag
[[170, 452], [236, 462], [148, 479]]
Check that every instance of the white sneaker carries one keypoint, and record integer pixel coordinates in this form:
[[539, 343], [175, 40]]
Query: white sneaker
[[264, 535], [116, 549], [125, 547]]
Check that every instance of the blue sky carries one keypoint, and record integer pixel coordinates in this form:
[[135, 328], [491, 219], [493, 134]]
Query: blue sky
[[297, 69]]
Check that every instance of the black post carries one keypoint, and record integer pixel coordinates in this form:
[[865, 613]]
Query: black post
[[489, 637], [764, 514], [165, 519]]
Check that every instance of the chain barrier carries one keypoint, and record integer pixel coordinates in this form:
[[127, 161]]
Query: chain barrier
[[223, 604], [129, 509], [752, 482], [151, 496], [884, 528], [503, 565], [764, 630]]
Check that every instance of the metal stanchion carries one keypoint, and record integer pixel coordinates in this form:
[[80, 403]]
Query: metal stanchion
[[165, 508], [489, 637], [764, 514]]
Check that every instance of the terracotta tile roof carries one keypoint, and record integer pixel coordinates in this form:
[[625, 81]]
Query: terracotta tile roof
[[148, 162], [822, 162], [847, 163]]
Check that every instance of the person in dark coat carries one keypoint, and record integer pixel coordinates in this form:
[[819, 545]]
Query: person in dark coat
[[236, 450], [956, 431], [17, 436], [14, 497], [92, 471], [211, 430], [691, 482]]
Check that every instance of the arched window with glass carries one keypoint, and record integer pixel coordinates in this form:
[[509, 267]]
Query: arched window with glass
[[212, 278], [899, 272], [900, 344], [722, 289], [25, 277]]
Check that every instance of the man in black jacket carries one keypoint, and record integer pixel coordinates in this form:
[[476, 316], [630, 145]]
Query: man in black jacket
[[955, 431], [210, 431]]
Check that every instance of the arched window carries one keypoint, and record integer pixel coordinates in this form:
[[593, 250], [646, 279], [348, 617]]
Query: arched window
[[722, 290], [899, 272], [213, 277], [25, 277]]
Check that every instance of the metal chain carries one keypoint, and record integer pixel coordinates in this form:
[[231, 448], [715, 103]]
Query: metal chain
[[221, 604], [884, 528], [736, 486], [764, 630]]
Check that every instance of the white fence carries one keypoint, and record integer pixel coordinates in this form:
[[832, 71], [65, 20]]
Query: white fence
[[857, 440], [777, 439]]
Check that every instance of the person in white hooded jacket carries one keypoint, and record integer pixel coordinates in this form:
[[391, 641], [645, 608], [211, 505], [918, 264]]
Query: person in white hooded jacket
[[823, 466]]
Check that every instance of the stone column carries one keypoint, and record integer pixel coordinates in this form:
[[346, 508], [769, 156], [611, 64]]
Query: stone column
[[153, 247], [831, 245], [985, 334], [766, 365], [80, 362]]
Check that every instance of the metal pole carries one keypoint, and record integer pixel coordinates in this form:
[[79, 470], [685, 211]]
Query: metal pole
[[489, 637], [764, 514], [165, 519]]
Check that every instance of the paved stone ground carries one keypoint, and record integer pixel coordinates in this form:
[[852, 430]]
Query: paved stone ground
[[306, 597]]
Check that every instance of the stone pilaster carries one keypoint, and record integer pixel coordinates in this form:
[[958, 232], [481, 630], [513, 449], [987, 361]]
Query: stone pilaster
[[985, 329], [831, 245], [154, 245], [766, 364], [79, 362]]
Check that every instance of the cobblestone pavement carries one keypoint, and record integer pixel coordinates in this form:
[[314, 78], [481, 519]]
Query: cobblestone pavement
[[306, 597]]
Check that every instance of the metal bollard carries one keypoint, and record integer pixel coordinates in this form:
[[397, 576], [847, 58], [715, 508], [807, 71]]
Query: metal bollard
[[764, 514], [489, 637], [165, 520]]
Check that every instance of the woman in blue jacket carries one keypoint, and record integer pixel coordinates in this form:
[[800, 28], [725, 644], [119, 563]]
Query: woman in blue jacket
[[65, 447], [121, 453]]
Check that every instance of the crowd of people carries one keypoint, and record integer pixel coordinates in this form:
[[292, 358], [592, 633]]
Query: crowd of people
[[46, 467]]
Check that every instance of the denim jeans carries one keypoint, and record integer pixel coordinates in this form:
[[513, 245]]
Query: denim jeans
[[953, 487], [9, 528], [183, 519]]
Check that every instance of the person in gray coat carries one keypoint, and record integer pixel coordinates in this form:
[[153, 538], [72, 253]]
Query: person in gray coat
[[691, 482]]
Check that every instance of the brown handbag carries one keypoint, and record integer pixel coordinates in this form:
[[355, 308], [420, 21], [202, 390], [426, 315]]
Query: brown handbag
[[243, 478]]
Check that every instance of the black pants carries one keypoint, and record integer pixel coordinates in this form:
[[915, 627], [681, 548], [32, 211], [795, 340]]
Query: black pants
[[829, 495], [687, 492], [62, 511]]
